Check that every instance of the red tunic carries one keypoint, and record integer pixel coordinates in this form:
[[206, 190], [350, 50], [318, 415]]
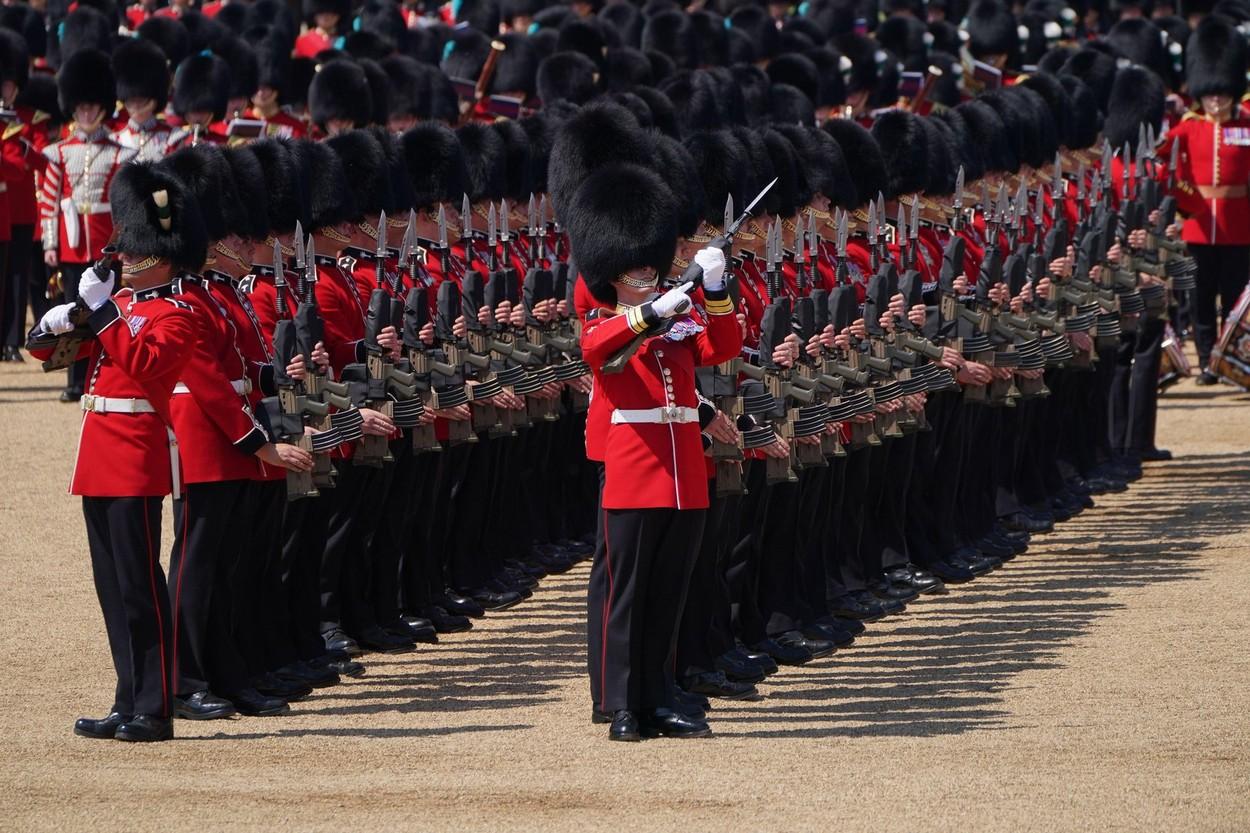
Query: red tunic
[[1212, 155], [74, 213], [217, 435], [143, 342], [656, 465]]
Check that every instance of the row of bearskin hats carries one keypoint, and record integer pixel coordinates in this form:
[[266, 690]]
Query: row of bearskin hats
[[817, 60]]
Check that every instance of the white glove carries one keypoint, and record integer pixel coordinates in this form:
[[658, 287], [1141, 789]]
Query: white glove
[[56, 320], [94, 291], [712, 260], [675, 301]]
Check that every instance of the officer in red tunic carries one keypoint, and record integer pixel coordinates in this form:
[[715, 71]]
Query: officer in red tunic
[[74, 217], [274, 59], [143, 339], [622, 231], [1213, 178], [327, 18], [143, 87]]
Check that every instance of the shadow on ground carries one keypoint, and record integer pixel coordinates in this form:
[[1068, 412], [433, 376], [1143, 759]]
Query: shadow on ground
[[939, 670]]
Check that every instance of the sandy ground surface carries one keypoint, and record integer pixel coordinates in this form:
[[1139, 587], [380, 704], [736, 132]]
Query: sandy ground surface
[[1097, 683]]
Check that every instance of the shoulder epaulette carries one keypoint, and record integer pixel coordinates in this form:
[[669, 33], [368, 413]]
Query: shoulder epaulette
[[1190, 114], [13, 129], [39, 117], [246, 283]]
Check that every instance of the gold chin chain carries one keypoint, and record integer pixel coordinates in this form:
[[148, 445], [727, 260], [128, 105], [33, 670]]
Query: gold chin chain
[[334, 235], [142, 266], [636, 283], [222, 249], [286, 250], [368, 229]]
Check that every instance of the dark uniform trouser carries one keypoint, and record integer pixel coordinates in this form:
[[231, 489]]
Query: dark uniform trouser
[[596, 603], [124, 535], [361, 570], [303, 543], [949, 419], [17, 293], [343, 505], [745, 559], [420, 568], [648, 554], [1222, 271], [1118, 394], [1143, 403], [263, 632], [698, 642], [71, 273], [391, 542], [208, 543]]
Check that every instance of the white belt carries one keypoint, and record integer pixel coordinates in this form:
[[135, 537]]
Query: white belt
[[241, 386], [662, 416], [115, 405]]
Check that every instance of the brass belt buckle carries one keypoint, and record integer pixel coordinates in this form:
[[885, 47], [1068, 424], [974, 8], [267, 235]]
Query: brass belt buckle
[[88, 402]]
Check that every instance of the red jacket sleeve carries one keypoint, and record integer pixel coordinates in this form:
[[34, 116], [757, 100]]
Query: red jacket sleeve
[[151, 351]]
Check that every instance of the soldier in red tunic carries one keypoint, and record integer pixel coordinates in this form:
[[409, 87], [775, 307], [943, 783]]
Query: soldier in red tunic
[[622, 230], [1213, 178], [74, 213], [143, 339], [201, 94]]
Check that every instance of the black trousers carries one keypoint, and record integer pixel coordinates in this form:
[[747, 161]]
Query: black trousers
[[17, 294], [1143, 403], [124, 536], [303, 544], [698, 645], [597, 604], [76, 373], [1222, 274], [648, 555], [342, 537], [262, 630], [208, 545]]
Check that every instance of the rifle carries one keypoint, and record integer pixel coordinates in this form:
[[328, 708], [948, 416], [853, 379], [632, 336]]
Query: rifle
[[65, 347], [290, 410], [318, 386]]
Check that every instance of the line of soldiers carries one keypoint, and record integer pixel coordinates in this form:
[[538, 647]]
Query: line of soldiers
[[355, 362]]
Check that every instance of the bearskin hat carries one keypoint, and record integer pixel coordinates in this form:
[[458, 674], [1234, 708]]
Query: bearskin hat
[[435, 164], [540, 133], [1017, 120], [482, 15], [721, 162], [567, 76], [465, 54], [796, 71], [600, 133], [904, 147], [943, 157], [85, 28], [711, 39], [1096, 69], [1141, 42], [582, 35], [1215, 60], [792, 188], [331, 200], [695, 104], [989, 134], [340, 90], [202, 85], [992, 30], [1058, 103], [241, 58], [379, 90], [275, 13], [273, 63], [140, 223], [969, 155], [518, 184], [1042, 132], [788, 105], [14, 58], [142, 72], [626, 19], [1086, 121], [86, 77], [285, 189], [29, 24], [866, 165], [368, 174], [759, 170], [342, 8], [904, 36], [831, 86], [484, 159], [670, 33], [170, 35], [621, 218], [516, 71], [40, 94], [205, 33], [759, 25], [625, 68], [206, 174], [249, 181], [663, 114], [1137, 98], [674, 163]]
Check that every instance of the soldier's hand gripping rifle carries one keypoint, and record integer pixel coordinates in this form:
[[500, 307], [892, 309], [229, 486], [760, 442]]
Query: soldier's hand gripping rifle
[[450, 306], [382, 381], [319, 387], [437, 382], [693, 276], [291, 410], [843, 310], [65, 346]]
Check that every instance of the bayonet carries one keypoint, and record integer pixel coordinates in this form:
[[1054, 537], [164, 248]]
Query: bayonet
[[442, 227], [279, 280], [380, 252], [729, 212], [491, 238]]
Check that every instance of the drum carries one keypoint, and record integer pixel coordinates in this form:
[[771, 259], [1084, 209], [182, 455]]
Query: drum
[[1231, 357], [1173, 363]]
